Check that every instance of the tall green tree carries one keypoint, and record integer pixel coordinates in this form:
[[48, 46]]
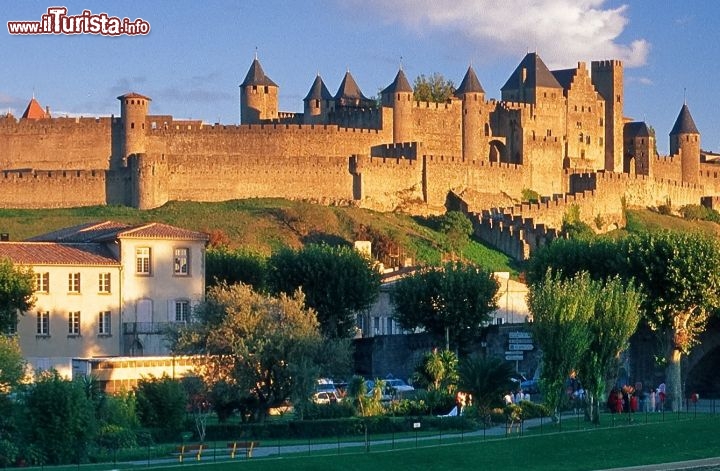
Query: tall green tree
[[453, 302], [257, 345], [59, 418], [16, 293], [679, 273], [337, 283], [615, 318], [434, 88], [561, 311]]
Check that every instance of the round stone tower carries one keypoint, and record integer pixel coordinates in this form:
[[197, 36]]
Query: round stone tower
[[685, 141], [474, 140], [258, 96], [317, 102], [133, 114], [399, 96]]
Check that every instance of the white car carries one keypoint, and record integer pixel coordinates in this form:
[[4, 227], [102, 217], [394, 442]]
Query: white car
[[326, 397]]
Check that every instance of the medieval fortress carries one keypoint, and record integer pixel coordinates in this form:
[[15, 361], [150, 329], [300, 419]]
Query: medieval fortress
[[561, 134]]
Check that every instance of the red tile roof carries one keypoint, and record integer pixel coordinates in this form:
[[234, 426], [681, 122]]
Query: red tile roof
[[34, 111], [111, 230], [158, 230], [51, 253]]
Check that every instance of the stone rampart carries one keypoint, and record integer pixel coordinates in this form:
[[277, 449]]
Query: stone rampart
[[56, 144], [52, 189]]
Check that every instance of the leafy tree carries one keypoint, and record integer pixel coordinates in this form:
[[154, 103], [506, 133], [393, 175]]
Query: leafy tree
[[561, 310], [457, 229], [16, 293], [434, 88], [223, 265], [337, 282], [161, 404], [486, 379], [255, 344], [450, 302], [12, 364], [59, 417], [582, 325], [680, 274]]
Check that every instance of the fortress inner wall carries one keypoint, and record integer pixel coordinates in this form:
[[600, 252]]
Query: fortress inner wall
[[223, 177], [448, 173], [56, 144], [384, 184], [268, 141], [438, 126]]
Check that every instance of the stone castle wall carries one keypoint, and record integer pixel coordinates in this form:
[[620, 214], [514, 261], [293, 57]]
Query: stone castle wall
[[34, 189], [56, 144]]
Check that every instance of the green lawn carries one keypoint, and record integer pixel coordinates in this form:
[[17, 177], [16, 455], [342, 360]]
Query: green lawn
[[579, 446]]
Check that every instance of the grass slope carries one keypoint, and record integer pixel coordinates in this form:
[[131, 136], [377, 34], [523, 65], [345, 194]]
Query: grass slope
[[264, 225]]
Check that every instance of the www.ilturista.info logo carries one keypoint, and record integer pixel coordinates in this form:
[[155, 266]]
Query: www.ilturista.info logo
[[57, 21]]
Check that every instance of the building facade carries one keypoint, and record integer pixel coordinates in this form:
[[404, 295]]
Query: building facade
[[107, 289]]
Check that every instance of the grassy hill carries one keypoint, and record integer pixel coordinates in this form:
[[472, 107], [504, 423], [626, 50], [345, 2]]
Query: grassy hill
[[264, 225]]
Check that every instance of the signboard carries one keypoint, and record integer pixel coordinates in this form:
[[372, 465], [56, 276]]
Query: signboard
[[518, 356], [519, 335], [520, 341], [520, 346], [416, 424]]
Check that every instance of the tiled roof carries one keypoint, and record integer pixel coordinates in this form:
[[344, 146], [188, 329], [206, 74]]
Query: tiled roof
[[564, 77], [537, 75], [637, 129], [133, 95], [51, 253], [400, 84], [684, 124], [349, 89], [158, 230], [256, 76], [34, 110], [318, 91], [111, 230], [470, 83], [88, 232]]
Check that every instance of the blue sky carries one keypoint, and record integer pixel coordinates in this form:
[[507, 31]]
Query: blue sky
[[197, 53]]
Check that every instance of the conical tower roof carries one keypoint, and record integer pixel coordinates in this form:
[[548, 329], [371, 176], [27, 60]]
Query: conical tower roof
[[34, 110], [349, 89], [256, 76], [469, 84], [684, 123], [400, 84], [318, 91], [537, 74]]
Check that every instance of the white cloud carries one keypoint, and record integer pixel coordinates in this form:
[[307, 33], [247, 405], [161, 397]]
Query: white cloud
[[561, 31]]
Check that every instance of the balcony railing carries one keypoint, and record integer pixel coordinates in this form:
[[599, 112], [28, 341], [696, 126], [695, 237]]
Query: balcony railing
[[148, 327]]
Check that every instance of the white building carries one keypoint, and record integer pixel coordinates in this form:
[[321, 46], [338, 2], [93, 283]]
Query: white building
[[379, 318], [107, 289]]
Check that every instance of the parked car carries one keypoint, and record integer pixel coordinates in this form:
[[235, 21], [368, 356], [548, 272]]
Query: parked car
[[398, 386], [326, 397]]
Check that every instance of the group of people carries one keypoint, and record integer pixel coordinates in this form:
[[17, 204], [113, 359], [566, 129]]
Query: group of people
[[520, 395], [634, 399]]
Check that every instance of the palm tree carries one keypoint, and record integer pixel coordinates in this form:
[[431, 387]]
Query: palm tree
[[486, 379]]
